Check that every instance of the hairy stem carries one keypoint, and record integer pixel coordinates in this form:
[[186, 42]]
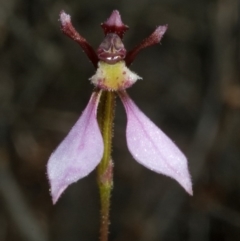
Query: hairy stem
[[105, 177]]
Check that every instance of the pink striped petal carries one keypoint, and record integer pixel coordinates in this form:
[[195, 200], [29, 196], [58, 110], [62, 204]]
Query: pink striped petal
[[152, 148], [78, 154]]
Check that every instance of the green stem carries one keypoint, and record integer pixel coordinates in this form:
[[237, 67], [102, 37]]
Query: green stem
[[105, 176]]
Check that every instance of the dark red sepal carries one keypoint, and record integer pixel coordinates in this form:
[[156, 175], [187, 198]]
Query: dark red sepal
[[154, 38], [115, 25], [68, 29]]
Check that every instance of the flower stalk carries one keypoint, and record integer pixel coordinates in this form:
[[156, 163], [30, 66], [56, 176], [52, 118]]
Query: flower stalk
[[106, 112]]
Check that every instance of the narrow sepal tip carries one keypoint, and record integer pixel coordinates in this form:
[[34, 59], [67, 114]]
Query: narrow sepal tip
[[64, 18]]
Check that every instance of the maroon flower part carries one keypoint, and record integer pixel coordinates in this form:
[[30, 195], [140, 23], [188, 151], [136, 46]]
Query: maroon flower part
[[154, 38], [111, 50], [82, 149], [112, 27], [115, 25], [70, 31]]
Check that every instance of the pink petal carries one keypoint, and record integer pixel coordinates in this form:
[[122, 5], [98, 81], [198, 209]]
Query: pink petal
[[152, 148], [78, 154]]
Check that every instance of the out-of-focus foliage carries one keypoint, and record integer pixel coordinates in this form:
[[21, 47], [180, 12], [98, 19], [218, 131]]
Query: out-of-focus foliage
[[190, 88]]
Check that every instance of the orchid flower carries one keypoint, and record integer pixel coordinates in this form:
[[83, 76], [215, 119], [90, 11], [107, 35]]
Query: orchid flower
[[84, 147]]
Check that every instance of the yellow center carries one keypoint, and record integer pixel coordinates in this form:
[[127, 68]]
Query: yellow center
[[113, 76]]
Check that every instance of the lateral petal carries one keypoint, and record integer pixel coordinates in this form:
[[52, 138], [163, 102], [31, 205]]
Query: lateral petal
[[152, 148], [79, 153]]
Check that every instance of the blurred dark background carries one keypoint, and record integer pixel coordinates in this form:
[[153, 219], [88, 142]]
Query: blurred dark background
[[190, 88]]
